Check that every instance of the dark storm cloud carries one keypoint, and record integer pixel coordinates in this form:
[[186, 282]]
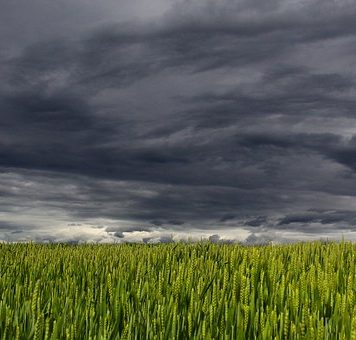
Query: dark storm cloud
[[10, 226], [293, 93], [323, 217], [223, 115], [256, 222], [227, 217]]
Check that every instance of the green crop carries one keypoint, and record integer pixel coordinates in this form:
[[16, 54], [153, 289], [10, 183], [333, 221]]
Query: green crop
[[178, 291]]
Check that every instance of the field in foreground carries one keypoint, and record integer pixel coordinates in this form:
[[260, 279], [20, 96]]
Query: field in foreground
[[178, 291]]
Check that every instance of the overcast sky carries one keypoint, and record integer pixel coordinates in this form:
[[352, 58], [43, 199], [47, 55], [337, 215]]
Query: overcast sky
[[148, 120]]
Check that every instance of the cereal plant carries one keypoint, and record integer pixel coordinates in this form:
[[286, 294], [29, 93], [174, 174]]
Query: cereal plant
[[178, 291]]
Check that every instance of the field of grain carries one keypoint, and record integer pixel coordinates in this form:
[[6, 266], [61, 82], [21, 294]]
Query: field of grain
[[178, 291]]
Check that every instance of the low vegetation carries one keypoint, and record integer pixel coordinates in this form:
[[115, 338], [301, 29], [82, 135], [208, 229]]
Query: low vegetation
[[178, 291]]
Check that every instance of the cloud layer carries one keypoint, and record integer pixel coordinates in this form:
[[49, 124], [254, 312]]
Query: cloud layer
[[200, 118]]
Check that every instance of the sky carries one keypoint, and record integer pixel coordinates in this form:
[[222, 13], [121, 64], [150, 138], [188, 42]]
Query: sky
[[159, 120]]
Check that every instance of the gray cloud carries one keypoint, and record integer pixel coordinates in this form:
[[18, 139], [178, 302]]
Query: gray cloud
[[339, 219], [177, 117], [265, 238]]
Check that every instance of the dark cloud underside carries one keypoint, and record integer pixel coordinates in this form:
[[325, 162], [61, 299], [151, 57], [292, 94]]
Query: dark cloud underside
[[215, 117]]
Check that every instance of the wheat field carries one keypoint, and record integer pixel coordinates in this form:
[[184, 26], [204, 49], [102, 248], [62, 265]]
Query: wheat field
[[178, 291]]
